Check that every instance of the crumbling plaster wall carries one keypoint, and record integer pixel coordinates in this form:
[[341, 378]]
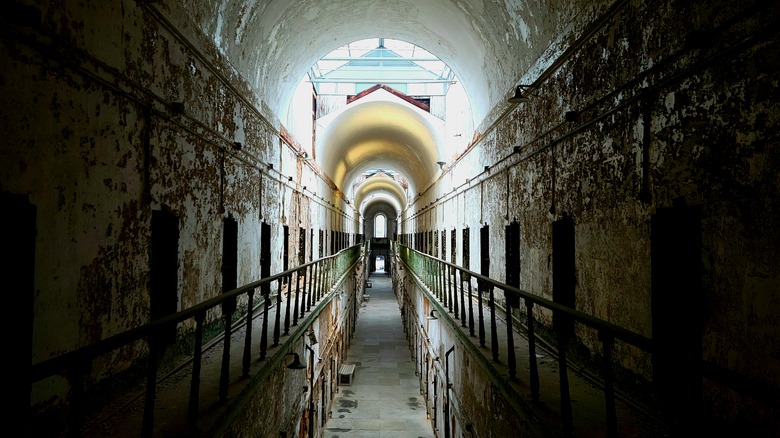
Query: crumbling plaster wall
[[93, 139], [711, 103]]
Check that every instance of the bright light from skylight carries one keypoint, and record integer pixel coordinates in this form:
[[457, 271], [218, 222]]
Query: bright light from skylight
[[359, 65]]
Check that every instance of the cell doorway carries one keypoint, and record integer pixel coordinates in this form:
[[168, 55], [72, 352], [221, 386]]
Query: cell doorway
[[379, 264]]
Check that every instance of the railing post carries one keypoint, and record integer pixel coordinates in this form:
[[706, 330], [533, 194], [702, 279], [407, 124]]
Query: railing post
[[266, 312], [452, 293], [302, 290], [459, 290], [308, 280], [480, 316], [443, 285], [566, 414], [248, 337], [431, 277], [193, 408], [76, 415], [288, 301], [471, 306], [441, 275], [277, 319], [534, 369], [322, 270], [607, 341], [297, 295], [510, 337], [224, 374], [328, 274], [427, 273], [155, 353], [493, 327], [316, 280]]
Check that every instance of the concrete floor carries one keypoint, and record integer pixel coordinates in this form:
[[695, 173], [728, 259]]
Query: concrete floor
[[384, 399]]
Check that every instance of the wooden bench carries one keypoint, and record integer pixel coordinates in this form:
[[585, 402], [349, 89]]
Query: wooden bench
[[346, 374]]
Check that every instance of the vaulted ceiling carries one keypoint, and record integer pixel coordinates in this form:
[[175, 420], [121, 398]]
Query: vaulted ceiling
[[489, 46]]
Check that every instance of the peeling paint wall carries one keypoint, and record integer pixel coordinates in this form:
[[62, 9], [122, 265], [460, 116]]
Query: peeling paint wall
[[666, 113], [110, 112], [673, 102]]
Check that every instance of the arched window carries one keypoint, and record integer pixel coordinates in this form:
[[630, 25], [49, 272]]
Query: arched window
[[380, 226]]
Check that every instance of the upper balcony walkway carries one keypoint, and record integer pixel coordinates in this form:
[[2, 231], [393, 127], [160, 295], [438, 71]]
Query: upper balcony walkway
[[389, 394]]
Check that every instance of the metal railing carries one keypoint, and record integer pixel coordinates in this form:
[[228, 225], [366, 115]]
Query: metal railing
[[473, 308], [297, 290]]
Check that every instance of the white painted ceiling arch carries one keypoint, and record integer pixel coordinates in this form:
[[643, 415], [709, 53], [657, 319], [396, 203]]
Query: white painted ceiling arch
[[383, 185], [379, 131], [488, 45], [379, 198]]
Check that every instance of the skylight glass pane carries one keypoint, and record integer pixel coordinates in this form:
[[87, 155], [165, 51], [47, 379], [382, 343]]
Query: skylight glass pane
[[395, 63]]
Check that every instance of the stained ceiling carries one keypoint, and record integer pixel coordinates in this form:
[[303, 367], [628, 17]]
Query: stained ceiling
[[488, 45]]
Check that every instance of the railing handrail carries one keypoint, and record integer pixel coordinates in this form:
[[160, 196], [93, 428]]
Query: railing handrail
[[620, 333], [82, 355], [742, 383]]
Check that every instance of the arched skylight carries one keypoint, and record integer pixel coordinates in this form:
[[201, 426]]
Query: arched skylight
[[362, 64]]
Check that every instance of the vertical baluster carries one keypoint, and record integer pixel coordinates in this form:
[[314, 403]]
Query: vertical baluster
[[277, 319], [313, 281], [432, 277], [480, 286], [471, 306], [78, 397], [334, 273], [440, 280], [308, 280], [459, 289], [193, 408], [429, 276], [328, 276], [425, 277], [510, 338], [318, 282], [321, 272], [247, 359], [493, 327], [443, 285], [297, 295], [453, 293], [324, 277], [224, 374], [265, 292], [444, 290], [303, 290], [607, 341], [566, 414], [534, 369], [155, 353], [288, 301]]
